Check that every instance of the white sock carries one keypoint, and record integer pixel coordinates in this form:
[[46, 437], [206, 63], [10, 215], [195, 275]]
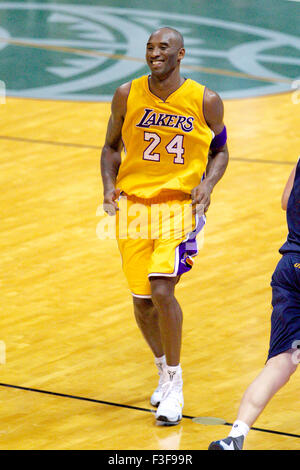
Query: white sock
[[174, 373], [160, 362], [239, 428], [160, 359]]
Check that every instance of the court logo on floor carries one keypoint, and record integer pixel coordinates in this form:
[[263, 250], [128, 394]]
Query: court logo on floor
[[83, 52]]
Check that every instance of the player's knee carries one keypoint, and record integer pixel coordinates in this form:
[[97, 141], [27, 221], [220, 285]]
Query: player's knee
[[143, 308], [294, 357], [161, 294], [284, 363]]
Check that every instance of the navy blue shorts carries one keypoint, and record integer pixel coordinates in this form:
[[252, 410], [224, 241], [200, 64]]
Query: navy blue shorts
[[285, 320]]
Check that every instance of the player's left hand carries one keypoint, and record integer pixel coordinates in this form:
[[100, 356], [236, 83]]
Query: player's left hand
[[201, 197]]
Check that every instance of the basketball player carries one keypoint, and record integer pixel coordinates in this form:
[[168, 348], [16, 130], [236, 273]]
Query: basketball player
[[167, 125], [284, 352]]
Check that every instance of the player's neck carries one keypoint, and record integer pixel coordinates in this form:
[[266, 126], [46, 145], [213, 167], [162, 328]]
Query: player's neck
[[165, 86]]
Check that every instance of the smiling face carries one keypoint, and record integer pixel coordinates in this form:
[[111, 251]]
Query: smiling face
[[164, 52]]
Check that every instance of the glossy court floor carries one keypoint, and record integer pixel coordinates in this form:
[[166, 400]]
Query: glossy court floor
[[75, 371]]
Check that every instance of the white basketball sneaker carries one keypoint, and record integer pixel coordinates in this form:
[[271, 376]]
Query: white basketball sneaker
[[158, 392], [169, 412]]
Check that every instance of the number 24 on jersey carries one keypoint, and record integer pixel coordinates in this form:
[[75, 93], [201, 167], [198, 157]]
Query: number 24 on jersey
[[174, 147]]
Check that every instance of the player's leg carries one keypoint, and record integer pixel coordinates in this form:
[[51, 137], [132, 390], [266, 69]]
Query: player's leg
[[170, 259], [274, 376], [147, 320], [169, 316], [283, 354], [170, 321], [146, 316]]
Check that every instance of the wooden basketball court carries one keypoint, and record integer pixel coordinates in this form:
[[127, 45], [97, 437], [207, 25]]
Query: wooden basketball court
[[67, 325], [75, 372]]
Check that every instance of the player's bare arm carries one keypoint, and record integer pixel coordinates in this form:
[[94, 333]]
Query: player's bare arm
[[288, 188], [111, 152], [218, 155]]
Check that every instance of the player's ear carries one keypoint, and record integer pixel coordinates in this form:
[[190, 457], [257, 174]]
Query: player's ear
[[181, 53]]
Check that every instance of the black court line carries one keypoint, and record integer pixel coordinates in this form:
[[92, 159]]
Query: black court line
[[130, 407], [98, 147]]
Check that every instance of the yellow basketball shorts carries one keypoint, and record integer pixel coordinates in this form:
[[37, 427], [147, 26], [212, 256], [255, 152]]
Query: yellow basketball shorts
[[156, 239]]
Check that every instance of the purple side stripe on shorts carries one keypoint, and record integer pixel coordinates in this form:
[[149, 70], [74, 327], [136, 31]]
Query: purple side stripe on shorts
[[189, 247]]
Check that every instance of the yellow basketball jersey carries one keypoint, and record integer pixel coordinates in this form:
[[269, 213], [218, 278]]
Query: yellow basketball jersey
[[166, 143]]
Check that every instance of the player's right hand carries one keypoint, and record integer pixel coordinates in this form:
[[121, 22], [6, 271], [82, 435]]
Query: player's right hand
[[110, 206]]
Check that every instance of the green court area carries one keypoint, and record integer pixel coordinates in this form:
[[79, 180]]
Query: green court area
[[84, 50]]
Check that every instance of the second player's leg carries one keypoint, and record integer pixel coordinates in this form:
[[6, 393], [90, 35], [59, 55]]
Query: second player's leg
[[274, 375]]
